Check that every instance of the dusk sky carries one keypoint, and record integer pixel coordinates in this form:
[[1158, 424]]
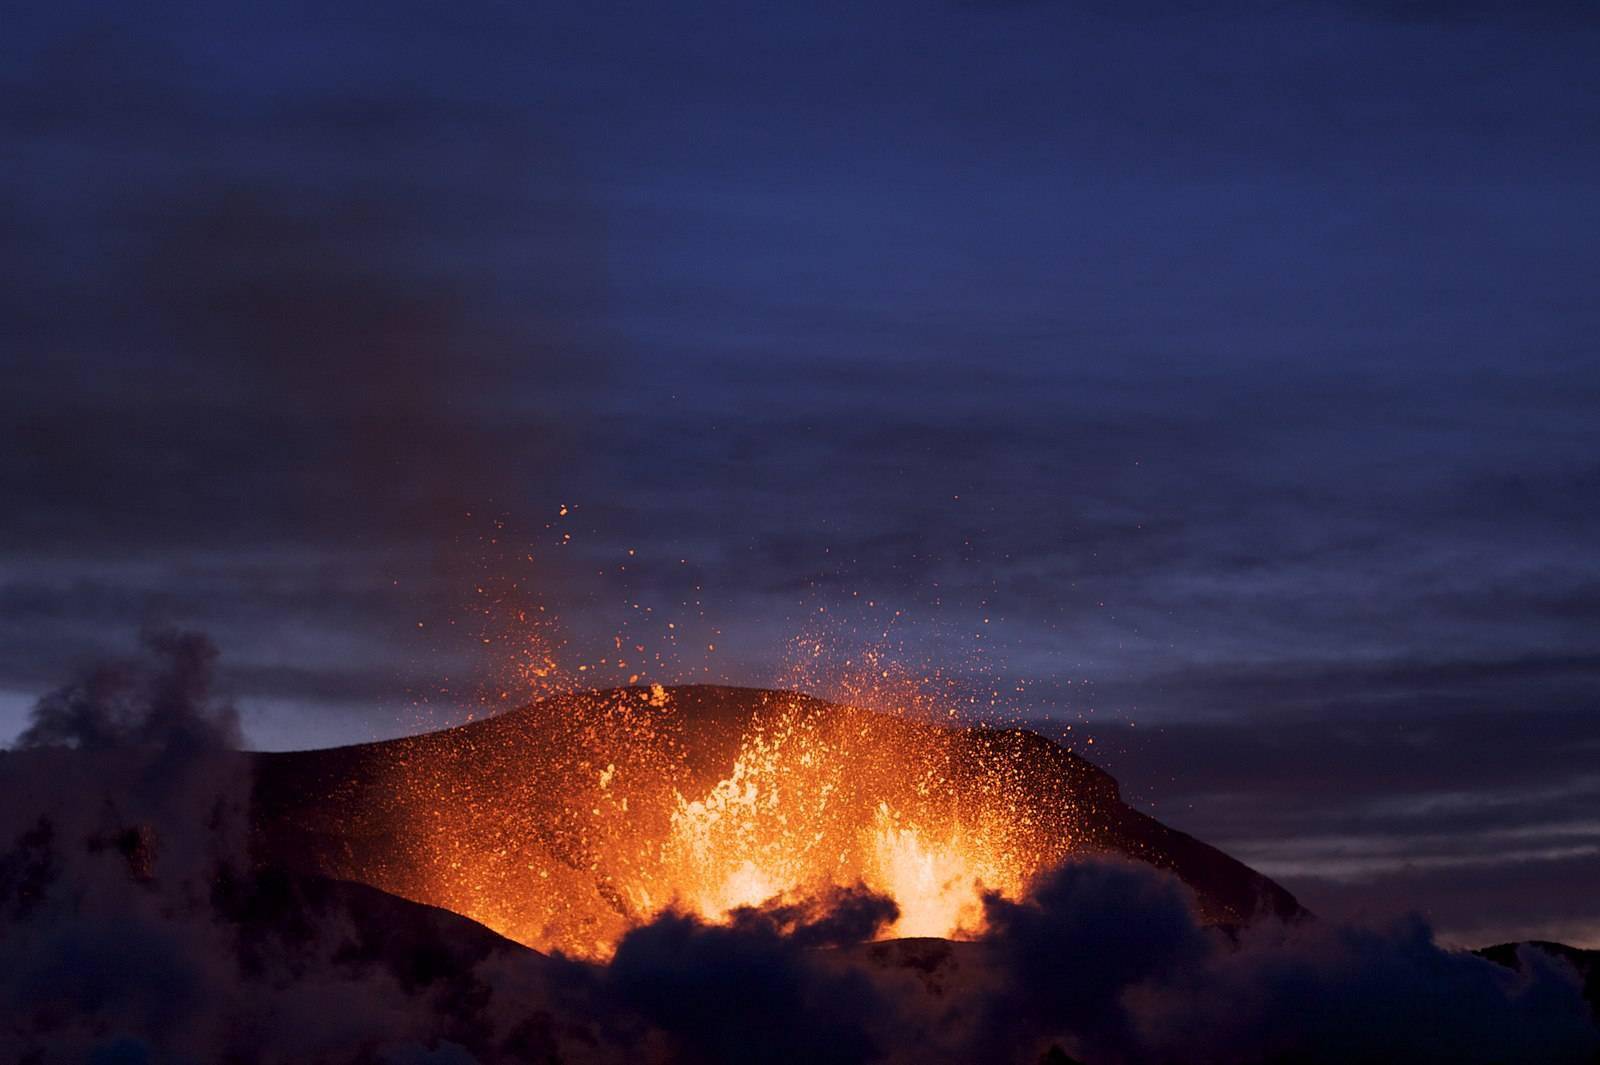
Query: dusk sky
[[1224, 378]]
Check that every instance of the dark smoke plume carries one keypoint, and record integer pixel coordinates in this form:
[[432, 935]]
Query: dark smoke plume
[[162, 700]]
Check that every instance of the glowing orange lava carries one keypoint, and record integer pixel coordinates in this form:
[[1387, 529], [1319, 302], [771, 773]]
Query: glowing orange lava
[[794, 818], [564, 824]]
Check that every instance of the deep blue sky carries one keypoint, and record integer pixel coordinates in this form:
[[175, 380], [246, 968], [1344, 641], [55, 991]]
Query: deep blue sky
[[1236, 363]]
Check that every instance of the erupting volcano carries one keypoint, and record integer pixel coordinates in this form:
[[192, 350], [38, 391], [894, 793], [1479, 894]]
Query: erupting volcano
[[680, 876], [565, 823]]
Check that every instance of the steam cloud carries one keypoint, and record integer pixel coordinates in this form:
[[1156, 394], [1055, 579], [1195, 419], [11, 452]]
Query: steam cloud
[[1105, 963], [719, 991], [1108, 961]]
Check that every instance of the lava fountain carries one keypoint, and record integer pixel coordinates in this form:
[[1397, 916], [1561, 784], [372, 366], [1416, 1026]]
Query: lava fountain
[[563, 824], [813, 803]]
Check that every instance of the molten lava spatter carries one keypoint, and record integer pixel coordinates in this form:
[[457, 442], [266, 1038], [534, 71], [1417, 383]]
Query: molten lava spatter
[[818, 800], [565, 824]]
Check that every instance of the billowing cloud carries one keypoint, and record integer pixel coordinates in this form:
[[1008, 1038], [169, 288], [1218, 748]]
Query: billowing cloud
[[161, 701], [1109, 962]]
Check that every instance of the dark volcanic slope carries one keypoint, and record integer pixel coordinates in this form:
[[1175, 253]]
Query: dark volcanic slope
[[497, 818]]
